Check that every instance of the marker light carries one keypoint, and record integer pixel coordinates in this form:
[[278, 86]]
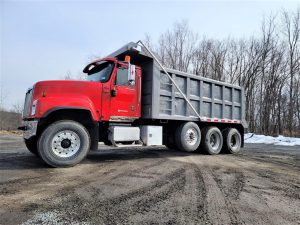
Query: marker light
[[127, 58]]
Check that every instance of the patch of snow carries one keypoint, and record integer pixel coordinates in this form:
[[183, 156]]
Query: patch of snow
[[50, 218], [44, 218], [262, 139]]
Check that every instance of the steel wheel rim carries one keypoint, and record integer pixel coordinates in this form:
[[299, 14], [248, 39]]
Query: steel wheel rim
[[234, 141], [191, 136], [65, 143], [214, 141]]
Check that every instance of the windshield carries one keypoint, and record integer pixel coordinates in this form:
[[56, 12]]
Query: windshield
[[101, 72]]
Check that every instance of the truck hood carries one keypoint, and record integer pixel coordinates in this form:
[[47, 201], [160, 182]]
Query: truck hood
[[48, 95], [65, 87]]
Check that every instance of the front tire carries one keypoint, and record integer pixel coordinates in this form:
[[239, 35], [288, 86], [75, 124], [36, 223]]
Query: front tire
[[212, 140], [188, 137], [64, 143], [31, 145]]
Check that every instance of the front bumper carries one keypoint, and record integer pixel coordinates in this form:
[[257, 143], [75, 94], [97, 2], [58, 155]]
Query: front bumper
[[29, 128]]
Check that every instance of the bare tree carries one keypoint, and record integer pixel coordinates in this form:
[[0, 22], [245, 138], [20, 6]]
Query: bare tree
[[78, 76], [176, 46], [201, 58], [291, 32], [148, 40], [68, 76], [17, 107]]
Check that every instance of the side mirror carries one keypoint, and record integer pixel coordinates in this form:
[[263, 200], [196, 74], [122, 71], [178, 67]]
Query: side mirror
[[131, 73], [113, 93]]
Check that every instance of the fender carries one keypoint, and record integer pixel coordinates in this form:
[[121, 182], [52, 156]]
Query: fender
[[46, 106], [93, 127], [47, 113]]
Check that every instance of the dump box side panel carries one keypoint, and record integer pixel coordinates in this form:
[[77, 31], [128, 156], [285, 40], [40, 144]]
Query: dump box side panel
[[161, 100], [211, 99]]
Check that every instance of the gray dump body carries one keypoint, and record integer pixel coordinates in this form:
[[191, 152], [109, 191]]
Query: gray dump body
[[213, 100]]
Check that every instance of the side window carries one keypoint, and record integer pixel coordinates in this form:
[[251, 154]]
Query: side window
[[125, 79], [122, 77]]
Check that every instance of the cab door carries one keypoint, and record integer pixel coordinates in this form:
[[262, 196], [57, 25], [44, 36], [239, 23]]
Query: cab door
[[126, 93]]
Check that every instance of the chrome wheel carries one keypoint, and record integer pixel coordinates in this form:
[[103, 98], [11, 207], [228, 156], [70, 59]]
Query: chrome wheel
[[65, 143], [191, 136], [214, 141], [235, 142]]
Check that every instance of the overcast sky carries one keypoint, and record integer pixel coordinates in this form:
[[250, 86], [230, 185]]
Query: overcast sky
[[45, 39]]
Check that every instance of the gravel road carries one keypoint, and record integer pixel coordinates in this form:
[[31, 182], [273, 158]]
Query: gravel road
[[260, 185]]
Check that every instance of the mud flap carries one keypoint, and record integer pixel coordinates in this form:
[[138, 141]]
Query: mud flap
[[94, 132]]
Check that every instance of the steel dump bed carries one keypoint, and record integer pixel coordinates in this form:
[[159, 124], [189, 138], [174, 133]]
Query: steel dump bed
[[213, 100]]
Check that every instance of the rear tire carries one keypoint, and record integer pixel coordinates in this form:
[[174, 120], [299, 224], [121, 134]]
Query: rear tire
[[188, 137], [31, 145], [212, 140], [232, 140], [64, 143]]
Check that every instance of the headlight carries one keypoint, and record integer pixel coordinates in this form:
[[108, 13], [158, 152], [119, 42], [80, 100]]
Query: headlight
[[33, 107]]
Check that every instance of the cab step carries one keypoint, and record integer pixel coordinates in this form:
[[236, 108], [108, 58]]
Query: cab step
[[124, 146]]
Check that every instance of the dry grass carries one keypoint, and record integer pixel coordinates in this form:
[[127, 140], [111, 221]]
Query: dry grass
[[11, 132]]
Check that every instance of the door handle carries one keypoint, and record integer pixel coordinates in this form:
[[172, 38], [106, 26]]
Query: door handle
[[113, 93]]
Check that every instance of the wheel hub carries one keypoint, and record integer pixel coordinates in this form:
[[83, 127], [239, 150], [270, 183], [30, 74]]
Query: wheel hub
[[232, 141], [191, 136], [214, 141], [65, 143]]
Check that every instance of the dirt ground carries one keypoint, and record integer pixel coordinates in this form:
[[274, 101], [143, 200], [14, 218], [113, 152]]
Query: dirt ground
[[260, 185]]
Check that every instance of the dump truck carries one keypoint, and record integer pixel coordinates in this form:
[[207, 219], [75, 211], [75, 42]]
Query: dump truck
[[130, 99]]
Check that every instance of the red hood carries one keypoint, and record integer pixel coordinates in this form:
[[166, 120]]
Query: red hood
[[67, 93], [65, 87]]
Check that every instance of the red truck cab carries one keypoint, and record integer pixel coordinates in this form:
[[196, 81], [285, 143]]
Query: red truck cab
[[121, 88], [111, 93]]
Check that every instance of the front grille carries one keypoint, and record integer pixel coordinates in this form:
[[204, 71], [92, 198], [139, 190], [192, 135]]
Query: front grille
[[27, 102]]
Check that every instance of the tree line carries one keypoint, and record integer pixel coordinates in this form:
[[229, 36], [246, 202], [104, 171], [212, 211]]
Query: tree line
[[10, 120], [266, 64]]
